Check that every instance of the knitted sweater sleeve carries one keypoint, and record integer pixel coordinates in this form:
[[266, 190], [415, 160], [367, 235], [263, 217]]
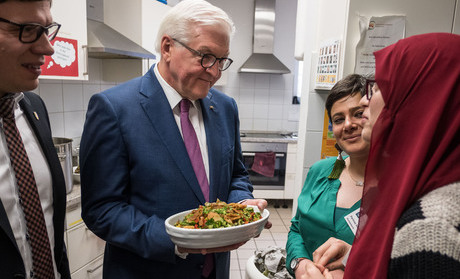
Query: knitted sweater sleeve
[[427, 237]]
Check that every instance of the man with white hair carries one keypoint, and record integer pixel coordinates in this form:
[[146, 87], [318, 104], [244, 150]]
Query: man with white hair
[[165, 143]]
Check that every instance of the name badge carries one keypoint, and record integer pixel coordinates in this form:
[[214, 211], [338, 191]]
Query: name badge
[[352, 220]]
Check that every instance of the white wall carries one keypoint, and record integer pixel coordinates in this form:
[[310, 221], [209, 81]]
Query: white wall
[[264, 100], [338, 19]]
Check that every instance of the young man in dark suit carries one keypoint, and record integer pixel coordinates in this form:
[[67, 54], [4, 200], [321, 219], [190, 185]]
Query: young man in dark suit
[[32, 186]]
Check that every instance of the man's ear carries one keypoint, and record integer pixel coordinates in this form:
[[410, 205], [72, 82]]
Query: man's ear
[[166, 47]]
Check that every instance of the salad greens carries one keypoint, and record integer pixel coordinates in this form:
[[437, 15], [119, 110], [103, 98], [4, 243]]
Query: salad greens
[[218, 214]]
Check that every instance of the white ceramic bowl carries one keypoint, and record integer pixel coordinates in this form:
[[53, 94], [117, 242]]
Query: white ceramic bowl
[[251, 270], [211, 238]]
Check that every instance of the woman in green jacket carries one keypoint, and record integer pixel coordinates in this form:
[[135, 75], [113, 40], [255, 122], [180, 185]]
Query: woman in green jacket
[[329, 203]]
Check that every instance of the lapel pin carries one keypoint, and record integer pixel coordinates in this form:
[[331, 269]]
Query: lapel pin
[[211, 107], [36, 116]]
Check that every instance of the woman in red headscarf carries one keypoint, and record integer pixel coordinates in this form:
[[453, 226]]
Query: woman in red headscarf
[[410, 211]]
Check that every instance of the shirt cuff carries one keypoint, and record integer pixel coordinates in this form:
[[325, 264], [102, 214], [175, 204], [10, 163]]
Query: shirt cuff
[[179, 254]]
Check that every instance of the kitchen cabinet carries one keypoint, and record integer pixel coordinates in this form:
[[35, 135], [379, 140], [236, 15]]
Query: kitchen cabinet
[[138, 20], [69, 61], [291, 161], [93, 270], [84, 249]]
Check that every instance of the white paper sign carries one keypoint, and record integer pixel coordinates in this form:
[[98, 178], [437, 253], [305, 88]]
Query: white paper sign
[[328, 64], [352, 220], [376, 33]]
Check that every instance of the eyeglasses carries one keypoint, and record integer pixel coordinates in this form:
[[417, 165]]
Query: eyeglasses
[[208, 60], [369, 85], [31, 32]]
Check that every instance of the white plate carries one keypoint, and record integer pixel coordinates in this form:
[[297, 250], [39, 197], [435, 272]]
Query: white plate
[[211, 238]]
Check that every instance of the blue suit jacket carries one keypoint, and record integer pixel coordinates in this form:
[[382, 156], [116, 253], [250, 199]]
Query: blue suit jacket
[[135, 172]]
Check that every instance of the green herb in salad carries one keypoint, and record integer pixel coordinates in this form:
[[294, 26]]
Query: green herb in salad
[[219, 214]]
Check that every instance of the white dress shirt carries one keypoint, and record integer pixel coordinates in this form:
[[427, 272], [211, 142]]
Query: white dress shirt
[[9, 189], [195, 115]]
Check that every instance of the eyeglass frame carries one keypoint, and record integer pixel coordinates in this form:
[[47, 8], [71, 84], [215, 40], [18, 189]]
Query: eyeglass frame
[[369, 83], [203, 55], [43, 29]]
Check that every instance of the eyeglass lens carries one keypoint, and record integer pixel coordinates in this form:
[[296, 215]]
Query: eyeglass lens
[[369, 92], [208, 60], [31, 33]]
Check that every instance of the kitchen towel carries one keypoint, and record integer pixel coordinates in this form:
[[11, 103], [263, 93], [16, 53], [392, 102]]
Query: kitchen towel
[[264, 163]]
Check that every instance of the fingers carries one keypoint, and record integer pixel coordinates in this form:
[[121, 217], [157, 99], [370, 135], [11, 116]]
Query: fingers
[[260, 203], [319, 252], [330, 254], [268, 225], [312, 270], [327, 274]]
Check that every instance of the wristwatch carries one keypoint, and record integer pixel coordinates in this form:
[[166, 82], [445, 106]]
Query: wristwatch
[[295, 263]]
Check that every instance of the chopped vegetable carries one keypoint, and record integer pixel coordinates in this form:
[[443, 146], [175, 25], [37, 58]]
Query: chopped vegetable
[[218, 214]]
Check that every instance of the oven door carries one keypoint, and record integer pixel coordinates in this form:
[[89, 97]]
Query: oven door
[[261, 182]]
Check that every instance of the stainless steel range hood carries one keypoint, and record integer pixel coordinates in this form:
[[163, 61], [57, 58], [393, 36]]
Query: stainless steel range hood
[[262, 60], [105, 42]]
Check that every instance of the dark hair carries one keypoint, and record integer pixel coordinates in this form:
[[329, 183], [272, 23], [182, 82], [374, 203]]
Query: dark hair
[[348, 86]]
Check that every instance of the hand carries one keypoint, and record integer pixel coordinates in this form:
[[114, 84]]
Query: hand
[[315, 271], [331, 253], [210, 250], [261, 204]]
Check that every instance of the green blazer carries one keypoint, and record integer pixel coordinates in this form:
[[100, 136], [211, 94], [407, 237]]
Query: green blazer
[[314, 222]]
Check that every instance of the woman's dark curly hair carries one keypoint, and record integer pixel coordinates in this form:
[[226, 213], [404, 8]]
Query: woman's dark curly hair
[[348, 86]]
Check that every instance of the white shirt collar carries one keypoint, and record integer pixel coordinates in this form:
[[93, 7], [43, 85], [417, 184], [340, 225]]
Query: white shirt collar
[[171, 94]]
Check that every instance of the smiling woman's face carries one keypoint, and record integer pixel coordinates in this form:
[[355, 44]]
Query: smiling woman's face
[[346, 116], [372, 110]]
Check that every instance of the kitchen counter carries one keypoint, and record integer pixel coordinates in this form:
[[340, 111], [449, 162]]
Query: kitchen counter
[[268, 137], [74, 197]]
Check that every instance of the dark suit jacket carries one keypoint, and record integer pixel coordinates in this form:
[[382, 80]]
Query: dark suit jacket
[[11, 264], [135, 172]]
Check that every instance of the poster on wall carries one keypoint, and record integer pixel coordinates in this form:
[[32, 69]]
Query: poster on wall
[[376, 33], [328, 144], [328, 64], [64, 61]]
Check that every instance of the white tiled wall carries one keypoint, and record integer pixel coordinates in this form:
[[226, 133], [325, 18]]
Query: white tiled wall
[[264, 101], [67, 101]]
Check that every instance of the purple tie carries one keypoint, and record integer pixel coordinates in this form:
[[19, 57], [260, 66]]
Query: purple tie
[[193, 147], [194, 153], [37, 235]]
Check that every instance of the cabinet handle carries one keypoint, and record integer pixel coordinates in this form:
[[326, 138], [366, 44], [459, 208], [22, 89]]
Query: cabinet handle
[[253, 154], [94, 269], [85, 55]]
